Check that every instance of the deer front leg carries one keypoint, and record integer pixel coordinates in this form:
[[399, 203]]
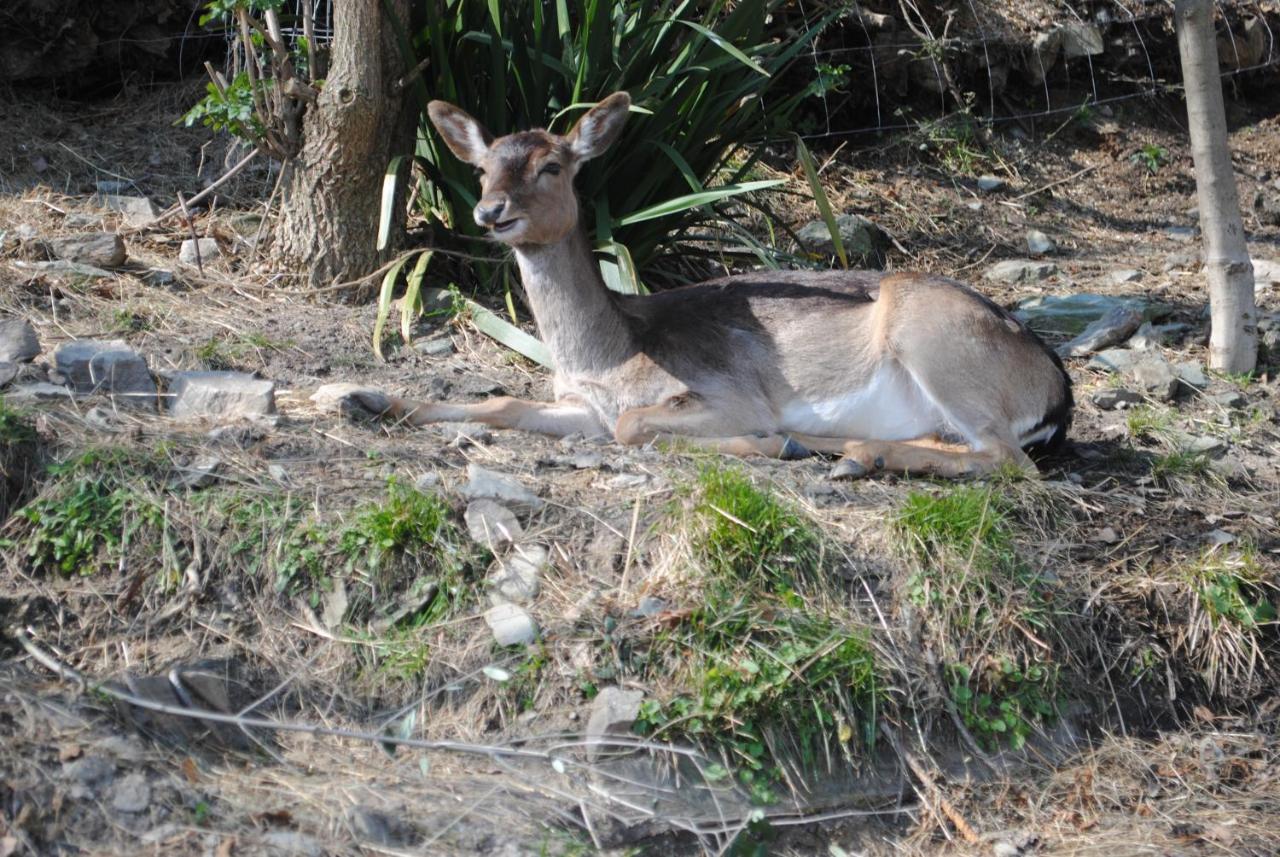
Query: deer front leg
[[863, 458], [688, 418], [557, 419]]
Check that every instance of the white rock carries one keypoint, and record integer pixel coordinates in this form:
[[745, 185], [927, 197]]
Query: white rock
[[1038, 244], [1020, 271], [1081, 40], [106, 366], [137, 210], [131, 794], [518, 577], [18, 341], [220, 395], [103, 249], [485, 484], [1125, 275], [613, 712], [209, 250], [511, 625], [988, 184], [492, 524]]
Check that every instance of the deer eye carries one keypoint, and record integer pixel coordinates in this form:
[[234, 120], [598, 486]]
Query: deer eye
[[550, 170], [479, 172]]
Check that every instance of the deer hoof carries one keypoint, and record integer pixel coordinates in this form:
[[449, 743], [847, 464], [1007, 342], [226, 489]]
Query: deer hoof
[[849, 468], [793, 450], [352, 400]]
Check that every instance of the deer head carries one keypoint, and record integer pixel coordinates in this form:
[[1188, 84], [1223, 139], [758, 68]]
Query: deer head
[[526, 179]]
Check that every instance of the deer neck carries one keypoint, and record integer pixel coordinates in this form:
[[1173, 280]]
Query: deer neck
[[576, 314]]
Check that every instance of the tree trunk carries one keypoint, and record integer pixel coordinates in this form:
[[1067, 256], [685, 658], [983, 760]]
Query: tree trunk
[[1233, 337], [328, 224]]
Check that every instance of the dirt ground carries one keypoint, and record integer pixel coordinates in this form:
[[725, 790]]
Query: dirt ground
[[1195, 771]]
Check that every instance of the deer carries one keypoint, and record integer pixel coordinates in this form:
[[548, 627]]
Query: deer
[[903, 373]]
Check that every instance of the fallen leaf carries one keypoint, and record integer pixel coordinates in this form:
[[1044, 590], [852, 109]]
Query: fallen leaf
[[190, 771], [67, 752], [1203, 714]]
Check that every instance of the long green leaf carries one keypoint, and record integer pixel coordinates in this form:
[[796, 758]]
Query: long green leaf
[[694, 200], [720, 42], [384, 303], [386, 212], [411, 303], [820, 198], [509, 335]]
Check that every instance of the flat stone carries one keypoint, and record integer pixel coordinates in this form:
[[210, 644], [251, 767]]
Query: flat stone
[[41, 391], [208, 248], [220, 395], [18, 341], [1182, 233], [613, 712], [1232, 399], [200, 473], [491, 524], [1266, 272], [131, 794], [1112, 329], [518, 577], [106, 366], [1207, 445], [137, 210], [483, 484], [1191, 374], [161, 277], [437, 346], [70, 269], [862, 240], [1039, 244], [90, 770], [511, 625], [8, 371], [103, 249], [1080, 39], [1120, 359], [990, 184], [1114, 398], [462, 435], [1071, 314], [1125, 275], [1020, 271], [83, 222], [1157, 378]]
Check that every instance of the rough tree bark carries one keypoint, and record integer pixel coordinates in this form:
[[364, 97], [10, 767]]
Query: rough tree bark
[[332, 190], [1233, 338]]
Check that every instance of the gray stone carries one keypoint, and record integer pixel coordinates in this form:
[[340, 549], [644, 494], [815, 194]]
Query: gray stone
[[1182, 233], [70, 269], [1181, 262], [862, 239], [1020, 271], [372, 826], [208, 250], [462, 435], [1232, 399], [137, 210], [518, 578], [651, 606], [41, 391], [1071, 314], [587, 461], [1207, 445], [1080, 39], [511, 625], [131, 794], [83, 222], [18, 341], [436, 346], [485, 484], [1191, 374], [1266, 272], [8, 371], [492, 524], [90, 770], [200, 473], [1039, 244], [106, 366], [613, 712], [1113, 398], [1045, 48], [427, 482], [990, 184], [220, 395], [292, 842], [1145, 337], [159, 277], [1125, 275], [103, 249], [1112, 329], [278, 473], [1157, 378], [1120, 359]]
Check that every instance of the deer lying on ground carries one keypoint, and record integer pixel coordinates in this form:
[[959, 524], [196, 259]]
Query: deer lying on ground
[[906, 373]]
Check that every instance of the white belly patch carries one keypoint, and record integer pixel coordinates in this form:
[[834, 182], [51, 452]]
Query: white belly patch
[[891, 406]]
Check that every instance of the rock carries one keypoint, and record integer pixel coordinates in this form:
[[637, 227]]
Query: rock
[[208, 250], [990, 184], [41, 391], [1125, 275], [1144, 338], [587, 461], [18, 341], [518, 578], [91, 771], [137, 210], [372, 826], [1232, 399], [83, 222], [1039, 244], [290, 842], [200, 473], [1219, 537], [511, 625], [161, 277], [1181, 262], [1114, 398], [1112, 329], [1020, 271], [651, 606], [492, 524], [1182, 233], [485, 484], [462, 435], [1207, 445], [1071, 314], [1045, 48], [437, 346], [427, 482], [862, 239], [1191, 374], [220, 395], [278, 473], [613, 712], [131, 794], [70, 269], [1080, 39], [1156, 377], [106, 366], [103, 249], [8, 371]]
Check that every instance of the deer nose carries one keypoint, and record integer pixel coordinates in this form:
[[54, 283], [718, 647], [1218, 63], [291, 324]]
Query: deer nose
[[489, 211]]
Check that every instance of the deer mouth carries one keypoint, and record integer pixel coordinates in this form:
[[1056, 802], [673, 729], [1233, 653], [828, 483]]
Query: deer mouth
[[505, 225]]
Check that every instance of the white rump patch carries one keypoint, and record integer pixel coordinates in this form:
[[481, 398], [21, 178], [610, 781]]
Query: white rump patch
[[890, 407], [1041, 434]]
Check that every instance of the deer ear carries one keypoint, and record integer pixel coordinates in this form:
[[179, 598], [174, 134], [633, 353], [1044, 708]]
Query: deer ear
[[466, 137], [599, 127]]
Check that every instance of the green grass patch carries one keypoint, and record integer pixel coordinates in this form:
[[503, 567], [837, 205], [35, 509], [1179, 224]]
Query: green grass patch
[[1233, 588], [1004, 700], [238, 352]]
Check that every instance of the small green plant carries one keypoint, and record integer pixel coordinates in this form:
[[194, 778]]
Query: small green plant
[[1148, 422], [744, 531], [1181, 464], [94, 504], [239, 351], [16, 428], [955, 143], [969, 522], [126, 321], [1004, 700], [1151, 157], [1233, 588], [230, 108]]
